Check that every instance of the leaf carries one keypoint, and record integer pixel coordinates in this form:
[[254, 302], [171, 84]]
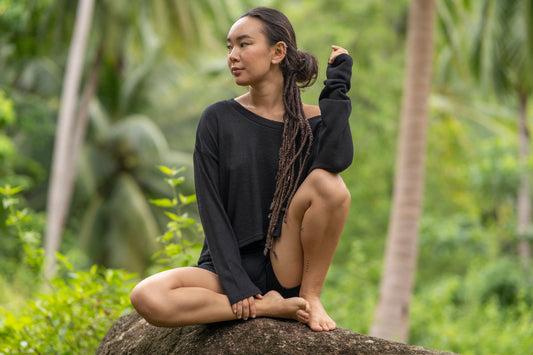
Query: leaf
[[31, 238], [173, 216], [179, 222], [185, 200], [94, 269], [7, 190], [175, 182], [163, 202], [167, 236], [64, 261], [171, 172], [173, 249], [7, 202], [166, 170]]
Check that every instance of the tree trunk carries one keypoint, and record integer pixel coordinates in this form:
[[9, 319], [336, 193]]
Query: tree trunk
[[392, 314], [57, 207], [81, 123], [524, 192]]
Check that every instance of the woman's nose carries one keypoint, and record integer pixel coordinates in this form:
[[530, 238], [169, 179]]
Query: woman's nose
[[233, 54]]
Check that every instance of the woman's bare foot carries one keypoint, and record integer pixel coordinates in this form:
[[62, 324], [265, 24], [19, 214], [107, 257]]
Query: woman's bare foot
[[319, 319], [272, 304]]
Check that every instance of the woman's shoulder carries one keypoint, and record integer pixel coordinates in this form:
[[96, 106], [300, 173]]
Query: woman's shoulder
[[311, 111], [216, 111], [218, 107]]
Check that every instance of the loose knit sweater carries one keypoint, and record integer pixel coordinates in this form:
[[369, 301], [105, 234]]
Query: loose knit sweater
[[235, 166]]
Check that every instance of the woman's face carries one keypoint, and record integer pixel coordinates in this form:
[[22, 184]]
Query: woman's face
[[250, 57]]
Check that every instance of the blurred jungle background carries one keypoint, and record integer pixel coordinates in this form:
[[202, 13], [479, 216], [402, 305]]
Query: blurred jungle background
[[121, 207]]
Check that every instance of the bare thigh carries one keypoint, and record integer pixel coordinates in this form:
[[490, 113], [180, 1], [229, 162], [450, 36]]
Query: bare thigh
[[312, 227], [182, 277]]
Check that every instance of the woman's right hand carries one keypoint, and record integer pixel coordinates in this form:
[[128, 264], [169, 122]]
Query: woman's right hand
[[246, 308]]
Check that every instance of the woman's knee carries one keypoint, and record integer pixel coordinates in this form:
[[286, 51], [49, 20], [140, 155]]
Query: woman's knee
[[140, 297], [330, 188], [146, 298]]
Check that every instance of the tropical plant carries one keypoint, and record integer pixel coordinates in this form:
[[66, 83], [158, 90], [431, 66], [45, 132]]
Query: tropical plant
[[182, 240], [7, 148], [73, 310], [498, 52], [506, 30], [117, 176]]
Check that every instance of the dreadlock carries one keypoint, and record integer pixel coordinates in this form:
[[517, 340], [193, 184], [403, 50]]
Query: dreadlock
[[299, 70]]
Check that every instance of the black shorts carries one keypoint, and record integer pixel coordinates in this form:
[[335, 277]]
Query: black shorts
[[259, 269]]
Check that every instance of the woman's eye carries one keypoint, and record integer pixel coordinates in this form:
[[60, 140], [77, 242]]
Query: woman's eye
[[245, 44]]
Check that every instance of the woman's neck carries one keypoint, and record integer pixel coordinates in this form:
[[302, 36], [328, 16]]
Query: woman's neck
[[265, 99]]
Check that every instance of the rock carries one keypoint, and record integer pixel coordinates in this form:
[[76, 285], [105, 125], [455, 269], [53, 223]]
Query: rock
[[131, 334]]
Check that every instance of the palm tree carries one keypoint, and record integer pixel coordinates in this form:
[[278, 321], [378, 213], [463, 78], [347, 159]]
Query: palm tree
[[392, 314], [117, 178], [61, 173], [491, 41], [502, 59]]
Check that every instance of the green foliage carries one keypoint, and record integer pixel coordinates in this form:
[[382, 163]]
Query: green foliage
[[71, 316], [7, 115], [486, 311], [497, 173], [350, 295], [8, 153], [177, 250], [20, 220], [470, 296], [451, 245], [17, 138], [16, 169], [117, 176], [20, 243], [70, 313]]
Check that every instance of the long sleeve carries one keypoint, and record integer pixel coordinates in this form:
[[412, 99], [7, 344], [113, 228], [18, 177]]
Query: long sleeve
[[334, 151], [220, 237]]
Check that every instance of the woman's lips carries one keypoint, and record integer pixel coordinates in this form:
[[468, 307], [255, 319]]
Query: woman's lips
[[236, 71]]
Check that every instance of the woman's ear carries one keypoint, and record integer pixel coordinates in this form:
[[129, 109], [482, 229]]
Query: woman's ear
[[280, 50]]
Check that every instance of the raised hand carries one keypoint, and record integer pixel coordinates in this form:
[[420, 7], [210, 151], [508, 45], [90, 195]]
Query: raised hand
[[337, 50]]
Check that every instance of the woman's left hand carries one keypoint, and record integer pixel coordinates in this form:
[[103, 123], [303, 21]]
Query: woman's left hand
[[245, 308], [336, 52]]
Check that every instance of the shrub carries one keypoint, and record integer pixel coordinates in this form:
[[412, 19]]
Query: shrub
[[471, 315], [177, 250], [71, 316], [72, 312]]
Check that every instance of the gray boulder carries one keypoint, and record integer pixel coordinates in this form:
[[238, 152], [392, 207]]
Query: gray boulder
[[131, 334]]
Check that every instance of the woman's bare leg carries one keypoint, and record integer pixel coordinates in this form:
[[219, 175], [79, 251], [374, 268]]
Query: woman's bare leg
[[191, 295], [312, 229]]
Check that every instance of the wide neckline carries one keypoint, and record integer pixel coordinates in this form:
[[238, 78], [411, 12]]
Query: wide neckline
[[260, 119]]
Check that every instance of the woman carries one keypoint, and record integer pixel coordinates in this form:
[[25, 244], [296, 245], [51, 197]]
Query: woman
[[269, 195]]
